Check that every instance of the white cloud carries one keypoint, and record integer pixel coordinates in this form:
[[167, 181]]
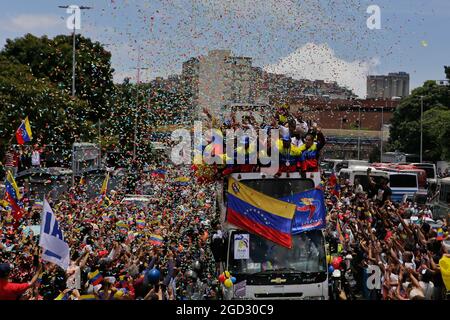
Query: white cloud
[[319, 62], [31, 22]]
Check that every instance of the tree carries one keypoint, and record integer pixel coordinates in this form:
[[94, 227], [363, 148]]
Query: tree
[[436, 124], [405, 124], [54, 116], [52, 59]]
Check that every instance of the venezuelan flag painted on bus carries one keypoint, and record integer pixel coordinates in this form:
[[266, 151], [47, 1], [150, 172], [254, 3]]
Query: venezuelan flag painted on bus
[[258, 213], [23, 133]]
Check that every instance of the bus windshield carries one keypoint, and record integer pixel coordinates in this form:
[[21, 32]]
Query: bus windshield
[[365, 181], [306, 255], [429, 170], [403, 181]]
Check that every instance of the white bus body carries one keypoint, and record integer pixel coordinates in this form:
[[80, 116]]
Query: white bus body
[[307, 275]]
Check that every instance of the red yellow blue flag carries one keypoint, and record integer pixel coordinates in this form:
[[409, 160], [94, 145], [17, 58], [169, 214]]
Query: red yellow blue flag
[[13, 196], [258, 213], [23, 133]]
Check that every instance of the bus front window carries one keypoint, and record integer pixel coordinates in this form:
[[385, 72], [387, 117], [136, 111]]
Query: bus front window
[[307, 255]]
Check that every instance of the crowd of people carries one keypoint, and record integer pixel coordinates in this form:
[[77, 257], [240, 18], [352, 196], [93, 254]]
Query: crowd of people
[[165, 248], [116, 246], [366, 229]]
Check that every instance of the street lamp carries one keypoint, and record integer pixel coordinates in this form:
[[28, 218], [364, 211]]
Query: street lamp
[[138, 81], [421, 127], [359, 130], [73, 46]]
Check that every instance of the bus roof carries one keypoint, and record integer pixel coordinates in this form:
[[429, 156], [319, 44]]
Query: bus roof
[[445, 180]]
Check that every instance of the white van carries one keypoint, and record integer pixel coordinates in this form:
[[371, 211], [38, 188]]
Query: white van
[[360, 172], [430, 169], [345, 164], [400, 183]]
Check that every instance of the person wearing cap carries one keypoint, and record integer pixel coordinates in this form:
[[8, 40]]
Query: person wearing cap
[[10, 290], [288, 153]]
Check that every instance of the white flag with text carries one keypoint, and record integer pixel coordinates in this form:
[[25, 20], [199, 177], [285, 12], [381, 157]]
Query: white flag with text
[[54, 248]]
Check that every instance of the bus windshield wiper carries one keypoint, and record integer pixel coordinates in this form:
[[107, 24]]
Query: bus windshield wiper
[[272, 271], [263, 273], [286, 269]]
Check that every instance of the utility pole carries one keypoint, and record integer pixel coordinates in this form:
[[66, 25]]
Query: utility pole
[[359, 131], [74, 47], [382, 132], [421, 127], [138, 81]]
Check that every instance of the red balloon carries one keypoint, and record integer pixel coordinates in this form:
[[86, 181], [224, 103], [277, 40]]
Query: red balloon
[[336, 263], [222, 278]]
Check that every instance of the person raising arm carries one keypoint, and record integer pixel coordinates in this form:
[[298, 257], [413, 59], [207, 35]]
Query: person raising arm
[[10, 290]]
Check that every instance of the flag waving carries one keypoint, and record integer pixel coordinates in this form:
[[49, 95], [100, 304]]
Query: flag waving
[[23, 133], [105, 185], [311, 211], [54, 248], [258, 213], [13, 196]]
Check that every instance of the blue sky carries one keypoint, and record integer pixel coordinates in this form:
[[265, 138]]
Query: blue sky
[[278, 34]]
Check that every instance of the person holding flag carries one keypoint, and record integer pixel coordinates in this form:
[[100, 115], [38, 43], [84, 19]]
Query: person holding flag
[[13, 196], [103, 190], [105, 185], [10, 290], [23, 133]]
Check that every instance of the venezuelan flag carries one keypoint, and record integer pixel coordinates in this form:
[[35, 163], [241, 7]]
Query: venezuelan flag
[[122, 224], [12, 193], [120, 293], [4, 203], [156, 239], [87, 297], [39, 204], [95, 277], [140, 224], [258, 213], [159, 173], [23, 133], [105, 184], [63, 296]]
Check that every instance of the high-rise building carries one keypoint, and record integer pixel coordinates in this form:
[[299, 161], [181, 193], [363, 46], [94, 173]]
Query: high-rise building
[[388, 86], [219, 78]]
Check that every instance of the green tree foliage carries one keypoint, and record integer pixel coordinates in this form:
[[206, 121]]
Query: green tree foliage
[[53, 114], [405, 129], [52, 59]]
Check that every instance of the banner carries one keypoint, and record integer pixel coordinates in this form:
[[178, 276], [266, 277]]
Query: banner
[[54, 248], [310, 212], [258, 213]]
